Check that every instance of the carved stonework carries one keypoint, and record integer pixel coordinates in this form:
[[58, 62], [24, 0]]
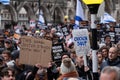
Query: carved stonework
[[53, 10]]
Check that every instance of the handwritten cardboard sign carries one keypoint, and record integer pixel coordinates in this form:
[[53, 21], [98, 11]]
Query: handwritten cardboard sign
[[35, 50]]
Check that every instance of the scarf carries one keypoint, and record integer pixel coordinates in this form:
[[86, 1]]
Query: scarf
[[70, 74]]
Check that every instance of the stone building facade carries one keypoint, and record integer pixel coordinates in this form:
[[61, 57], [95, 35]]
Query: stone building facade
[[54, 11]]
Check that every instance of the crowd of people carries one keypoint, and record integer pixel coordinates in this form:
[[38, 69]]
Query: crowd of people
[[70, 67]]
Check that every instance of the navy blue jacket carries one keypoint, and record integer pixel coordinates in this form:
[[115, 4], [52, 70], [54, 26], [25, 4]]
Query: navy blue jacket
[[115, 62]]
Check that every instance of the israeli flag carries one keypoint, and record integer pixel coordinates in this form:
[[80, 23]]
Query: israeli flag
[[79, 14], [107, 18], [5, 2], [102, 21], [41, 20]]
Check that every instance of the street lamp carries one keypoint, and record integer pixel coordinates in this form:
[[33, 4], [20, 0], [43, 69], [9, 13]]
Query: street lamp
[[93, 6], [39, 5]]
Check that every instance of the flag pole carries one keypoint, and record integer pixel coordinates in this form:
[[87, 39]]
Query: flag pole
[[79, 14]]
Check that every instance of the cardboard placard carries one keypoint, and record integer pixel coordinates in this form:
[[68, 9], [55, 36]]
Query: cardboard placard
[[81, 41], [35, 50]]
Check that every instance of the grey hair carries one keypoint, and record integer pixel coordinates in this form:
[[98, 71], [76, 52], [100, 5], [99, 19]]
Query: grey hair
[[110, 69]]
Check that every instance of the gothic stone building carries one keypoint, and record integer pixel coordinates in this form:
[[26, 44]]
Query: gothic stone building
[[54, 11]]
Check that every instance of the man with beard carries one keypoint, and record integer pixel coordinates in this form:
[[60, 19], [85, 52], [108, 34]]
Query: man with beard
[[67, 69]]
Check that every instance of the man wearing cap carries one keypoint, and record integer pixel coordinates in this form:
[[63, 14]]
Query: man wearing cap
[[9, 45]]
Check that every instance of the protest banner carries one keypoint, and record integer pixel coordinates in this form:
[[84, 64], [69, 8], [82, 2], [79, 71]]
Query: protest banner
[[35, 50], [81, 41], [65, 30], [57, 50], [113, 36], [117, 30], [32, 23]]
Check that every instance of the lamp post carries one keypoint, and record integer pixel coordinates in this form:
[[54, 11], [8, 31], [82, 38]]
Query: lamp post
[[39, 6], [93, 6]]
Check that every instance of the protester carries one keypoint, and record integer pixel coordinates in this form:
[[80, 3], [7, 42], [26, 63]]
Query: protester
[[65, 56], [29, 74], [7, 56], [118, 46], [83, 71], [110, 73], [113, 59], [104, 51], [52, 71], [42, 33], [7, 74], [73, 56], [107, 40], [52, 36], [8, 61], [67, 69], [2, 65], [100, 60], [41, 74], [9, 45]]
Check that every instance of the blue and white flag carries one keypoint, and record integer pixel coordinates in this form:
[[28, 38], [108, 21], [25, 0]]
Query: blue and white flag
[[79, 14], [107, 18], [102, 21], [41, 20], [5, 2]]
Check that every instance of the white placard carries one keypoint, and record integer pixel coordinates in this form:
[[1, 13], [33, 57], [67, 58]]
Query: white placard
[[32, 23], [81, 41]]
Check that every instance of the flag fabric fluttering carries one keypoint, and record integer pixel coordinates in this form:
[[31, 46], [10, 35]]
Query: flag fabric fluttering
[[5, 2], [79, 14], [107, 18], [41, 20]]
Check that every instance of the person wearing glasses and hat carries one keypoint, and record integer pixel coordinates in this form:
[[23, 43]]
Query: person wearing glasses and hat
[[8, 45]]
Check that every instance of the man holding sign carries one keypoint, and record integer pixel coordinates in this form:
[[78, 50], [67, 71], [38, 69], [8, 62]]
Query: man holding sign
[[82, 46]]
